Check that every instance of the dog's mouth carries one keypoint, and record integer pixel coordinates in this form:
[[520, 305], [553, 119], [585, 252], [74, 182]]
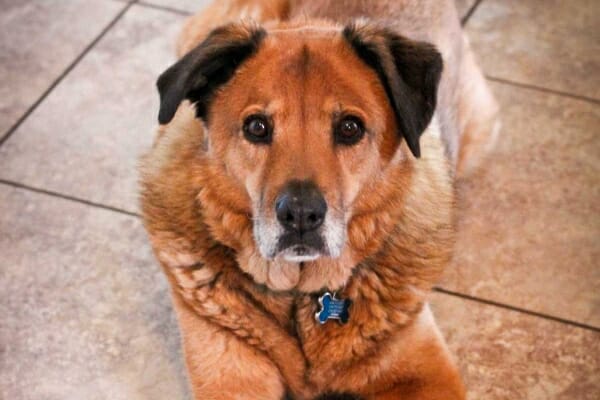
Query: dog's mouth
[[300, 248], [300, 254]]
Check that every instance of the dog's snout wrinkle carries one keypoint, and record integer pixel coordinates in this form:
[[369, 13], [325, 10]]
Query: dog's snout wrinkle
[[301, 207]]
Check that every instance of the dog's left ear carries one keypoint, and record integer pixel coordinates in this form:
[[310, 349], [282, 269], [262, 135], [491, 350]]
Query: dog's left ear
[[409, 71], [203, 70]]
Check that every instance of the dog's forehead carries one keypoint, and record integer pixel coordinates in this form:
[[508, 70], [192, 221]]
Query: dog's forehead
[[307, 53], [311, 65]]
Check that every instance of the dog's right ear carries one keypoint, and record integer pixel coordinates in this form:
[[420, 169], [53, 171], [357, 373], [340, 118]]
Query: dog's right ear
[[203, 70]]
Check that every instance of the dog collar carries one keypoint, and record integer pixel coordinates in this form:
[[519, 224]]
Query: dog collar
[[333, 308]]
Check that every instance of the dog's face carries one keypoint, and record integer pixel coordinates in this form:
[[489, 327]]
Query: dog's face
[[301, 123], [302, 135]]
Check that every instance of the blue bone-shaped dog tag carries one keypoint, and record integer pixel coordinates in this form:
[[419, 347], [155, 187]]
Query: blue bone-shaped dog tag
[[332, 308]]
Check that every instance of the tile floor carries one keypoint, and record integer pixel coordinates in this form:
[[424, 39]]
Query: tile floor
[[85, 312]]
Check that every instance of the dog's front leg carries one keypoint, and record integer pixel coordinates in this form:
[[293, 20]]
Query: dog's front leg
[[220, 365], [428, 374]]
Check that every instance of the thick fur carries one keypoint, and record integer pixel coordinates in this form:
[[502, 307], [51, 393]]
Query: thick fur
[[247, 321]]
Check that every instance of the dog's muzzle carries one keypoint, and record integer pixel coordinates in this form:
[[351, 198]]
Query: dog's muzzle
[[301, 210]]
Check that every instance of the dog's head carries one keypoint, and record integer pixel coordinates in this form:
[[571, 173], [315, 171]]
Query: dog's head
[[301, 124]]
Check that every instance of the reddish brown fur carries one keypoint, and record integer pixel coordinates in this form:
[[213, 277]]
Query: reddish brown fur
[[244, 336]]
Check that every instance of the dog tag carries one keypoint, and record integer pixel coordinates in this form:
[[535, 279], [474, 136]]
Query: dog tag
[[332, 308]]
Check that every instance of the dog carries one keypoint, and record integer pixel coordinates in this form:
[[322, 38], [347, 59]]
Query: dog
[[300, 194]]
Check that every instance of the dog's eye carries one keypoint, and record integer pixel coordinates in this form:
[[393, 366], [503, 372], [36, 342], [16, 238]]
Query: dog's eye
[[349, 130], [257, 129]]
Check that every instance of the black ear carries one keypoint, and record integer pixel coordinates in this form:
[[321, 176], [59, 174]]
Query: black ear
[[200, 72], [409, 71]]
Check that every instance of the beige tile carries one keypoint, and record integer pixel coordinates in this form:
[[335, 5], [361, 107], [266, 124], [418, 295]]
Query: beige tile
[[505, 355], [191, 6], [463, 6], [85, 310], [550, 43], [38, 41], [530, 221], [85, 138]]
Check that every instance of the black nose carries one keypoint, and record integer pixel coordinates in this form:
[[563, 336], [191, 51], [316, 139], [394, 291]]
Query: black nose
[[300, 206]]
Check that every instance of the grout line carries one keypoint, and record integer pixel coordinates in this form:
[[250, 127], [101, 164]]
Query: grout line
[[543, 89], [517, 309], [465, 19], [165, 8], [62, 76], [67, 197]]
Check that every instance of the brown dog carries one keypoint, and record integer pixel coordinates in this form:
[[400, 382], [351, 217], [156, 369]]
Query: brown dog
[[311, 158]]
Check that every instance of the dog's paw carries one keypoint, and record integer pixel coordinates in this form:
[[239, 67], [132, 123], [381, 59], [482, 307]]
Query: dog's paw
[[339, 396]]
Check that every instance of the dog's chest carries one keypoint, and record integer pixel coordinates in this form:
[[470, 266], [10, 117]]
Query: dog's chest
[[323, 343], [332, 349]]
